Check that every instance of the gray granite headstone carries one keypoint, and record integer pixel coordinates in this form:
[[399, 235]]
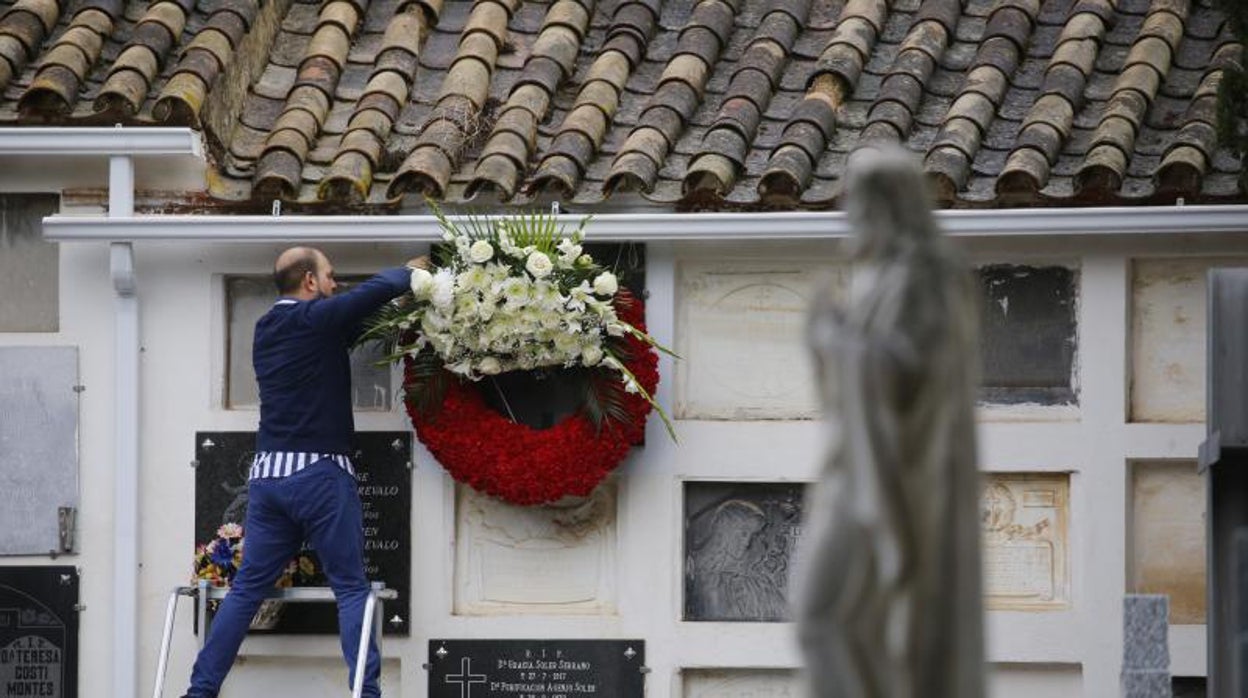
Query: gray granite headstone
[[1145, 647]]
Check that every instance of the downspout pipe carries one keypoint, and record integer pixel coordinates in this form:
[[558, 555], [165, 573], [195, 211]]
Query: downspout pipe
[[126, 434]]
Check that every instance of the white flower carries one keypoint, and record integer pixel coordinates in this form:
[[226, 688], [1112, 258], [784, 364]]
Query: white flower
[[605, 284], [539, 265], [584, 261], [230, 530], [481, 251], [422, 284], [463, 368], [569, 251], [591, 355], [489, 366], [443, 293]]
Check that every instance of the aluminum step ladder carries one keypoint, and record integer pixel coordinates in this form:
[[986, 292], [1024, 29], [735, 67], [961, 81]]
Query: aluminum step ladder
[[204, 592]]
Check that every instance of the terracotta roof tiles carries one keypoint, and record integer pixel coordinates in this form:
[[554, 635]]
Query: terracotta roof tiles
[[353, 104]]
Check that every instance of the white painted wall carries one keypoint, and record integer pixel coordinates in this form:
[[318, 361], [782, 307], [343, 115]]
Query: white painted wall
[[1042, 653]]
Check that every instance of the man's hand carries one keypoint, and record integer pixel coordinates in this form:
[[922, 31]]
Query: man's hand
[[421, 262]]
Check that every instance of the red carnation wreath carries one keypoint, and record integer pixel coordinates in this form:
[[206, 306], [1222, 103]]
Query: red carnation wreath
[[525, 466]]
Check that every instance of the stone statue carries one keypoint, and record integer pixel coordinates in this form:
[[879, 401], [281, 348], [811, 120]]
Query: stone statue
[[888, 598]]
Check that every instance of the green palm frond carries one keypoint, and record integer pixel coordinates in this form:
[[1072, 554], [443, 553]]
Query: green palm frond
[[383, 327], [603, 399], [426, 382]]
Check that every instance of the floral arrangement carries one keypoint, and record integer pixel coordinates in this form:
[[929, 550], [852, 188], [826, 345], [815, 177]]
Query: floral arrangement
[[219, 559], [519, 293]]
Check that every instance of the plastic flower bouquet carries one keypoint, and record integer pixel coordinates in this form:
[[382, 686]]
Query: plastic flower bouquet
[[219, 560]]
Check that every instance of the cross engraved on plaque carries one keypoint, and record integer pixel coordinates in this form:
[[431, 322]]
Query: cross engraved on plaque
[[465, 678]]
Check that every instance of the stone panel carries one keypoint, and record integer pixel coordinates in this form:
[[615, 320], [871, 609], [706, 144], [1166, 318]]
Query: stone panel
[[306, 677], [1035, 680], [547, 560], [1025, 536], [1168, 330], [740, 543], [739, 683], [38, 449], [1168, 536], [740, 331]]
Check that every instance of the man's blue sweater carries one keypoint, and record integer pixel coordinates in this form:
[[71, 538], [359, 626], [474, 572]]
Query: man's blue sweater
[[300, 356]]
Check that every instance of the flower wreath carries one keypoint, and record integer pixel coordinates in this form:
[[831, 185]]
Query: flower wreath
[[519, 464], [517, 293]]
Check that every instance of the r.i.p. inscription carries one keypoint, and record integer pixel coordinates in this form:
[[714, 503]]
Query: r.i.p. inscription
[[536, 668]]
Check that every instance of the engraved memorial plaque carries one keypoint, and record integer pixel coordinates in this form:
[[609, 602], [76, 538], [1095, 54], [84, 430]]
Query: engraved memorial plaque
[[1024, 526], [740, 540], [38, 632], [382, 464], [39, 449], [740, 329], [536, 668], [547, 560]]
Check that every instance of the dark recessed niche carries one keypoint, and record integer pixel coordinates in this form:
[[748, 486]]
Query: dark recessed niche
[[1028, 334]]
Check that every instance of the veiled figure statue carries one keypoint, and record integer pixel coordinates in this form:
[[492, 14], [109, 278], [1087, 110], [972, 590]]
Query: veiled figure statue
[[888, 601]]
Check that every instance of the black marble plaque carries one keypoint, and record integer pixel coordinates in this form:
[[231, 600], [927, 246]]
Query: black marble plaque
[[536, 668], [38, 632], [740, 538], [383, 467]]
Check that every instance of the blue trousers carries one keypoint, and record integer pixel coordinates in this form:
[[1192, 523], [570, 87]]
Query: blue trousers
[[319, 504]]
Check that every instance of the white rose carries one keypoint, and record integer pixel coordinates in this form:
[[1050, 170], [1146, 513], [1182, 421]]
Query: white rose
[[591, 355], [606, 284], [489, 366], [539, 265], [584, 261], [443, 293], [422, 284], [481, 251]]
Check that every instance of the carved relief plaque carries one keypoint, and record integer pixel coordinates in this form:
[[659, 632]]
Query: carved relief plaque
[[1024, 517], [1168, 536], [740, 327], [740, 540], [740, 683], [548, 560], [1168, 331]]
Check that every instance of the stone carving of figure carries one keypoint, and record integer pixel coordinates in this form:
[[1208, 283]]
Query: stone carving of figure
[[888, 598], [732, 579]]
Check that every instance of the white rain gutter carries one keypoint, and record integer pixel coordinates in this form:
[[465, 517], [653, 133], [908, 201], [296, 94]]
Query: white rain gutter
[[653, 227], [120, 145]]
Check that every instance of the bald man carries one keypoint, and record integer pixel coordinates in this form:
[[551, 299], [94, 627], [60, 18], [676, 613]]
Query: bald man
[[302, 482]]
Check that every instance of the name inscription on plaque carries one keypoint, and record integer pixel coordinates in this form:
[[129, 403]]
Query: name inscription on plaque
[[384, 483], [38, 632], [536, 668]]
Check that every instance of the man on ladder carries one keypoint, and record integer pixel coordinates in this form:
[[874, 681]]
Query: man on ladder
[[302, 483]]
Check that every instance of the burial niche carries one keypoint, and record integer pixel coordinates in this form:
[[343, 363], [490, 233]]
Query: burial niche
[[739, 545]]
